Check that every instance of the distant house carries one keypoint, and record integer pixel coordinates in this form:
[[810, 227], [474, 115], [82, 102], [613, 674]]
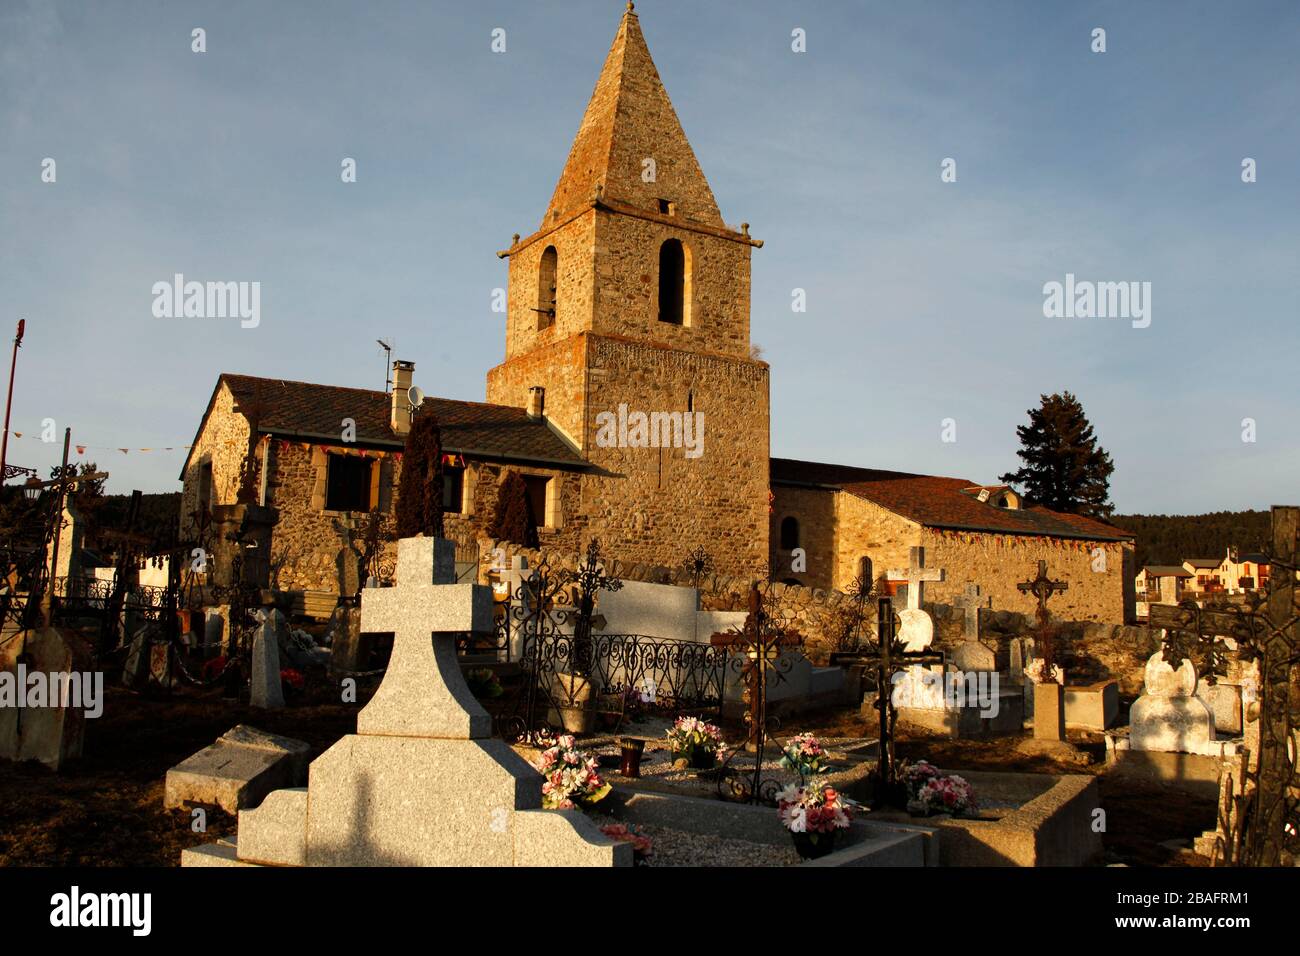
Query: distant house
[[1161, 584], [1247, 572], [1205, 573]]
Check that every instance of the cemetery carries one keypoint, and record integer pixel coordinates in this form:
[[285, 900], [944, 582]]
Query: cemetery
[[388, 629], [594, 718]]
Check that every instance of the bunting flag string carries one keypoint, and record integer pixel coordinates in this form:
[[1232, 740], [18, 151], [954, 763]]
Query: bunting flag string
[[81, 449]]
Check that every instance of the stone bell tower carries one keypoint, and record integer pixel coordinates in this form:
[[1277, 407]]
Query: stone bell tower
[[632, 299]]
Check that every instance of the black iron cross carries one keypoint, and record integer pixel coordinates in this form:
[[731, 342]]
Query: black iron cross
[[1043, 587], [762, 646], [589, 579], [889, 658]]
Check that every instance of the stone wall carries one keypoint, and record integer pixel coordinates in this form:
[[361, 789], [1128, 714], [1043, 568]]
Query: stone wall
[[997, 562], [574, 243], [560, 367], [311, 549], [651, 505], [838, 529], [223, 443], [716, 293]]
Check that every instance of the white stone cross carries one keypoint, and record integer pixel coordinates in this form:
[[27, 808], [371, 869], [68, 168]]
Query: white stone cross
[[971, 602], [915, 576], [424, 693]]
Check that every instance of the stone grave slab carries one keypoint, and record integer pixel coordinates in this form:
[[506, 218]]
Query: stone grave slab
[[1092, 706], [237, 771], [655, 610]]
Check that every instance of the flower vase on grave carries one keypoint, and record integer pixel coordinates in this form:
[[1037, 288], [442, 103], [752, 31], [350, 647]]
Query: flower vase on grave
[[632, 749], [814, 846], [573, 703]]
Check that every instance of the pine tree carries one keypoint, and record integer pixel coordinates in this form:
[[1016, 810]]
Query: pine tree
[[419, 492], [1064, 468], [513, 520]]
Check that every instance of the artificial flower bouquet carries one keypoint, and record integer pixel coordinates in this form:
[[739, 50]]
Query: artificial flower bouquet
[[929, 790], [813, 814], [571, 776], [805, 755], [642, 846], [694, 739], [1035, 672]]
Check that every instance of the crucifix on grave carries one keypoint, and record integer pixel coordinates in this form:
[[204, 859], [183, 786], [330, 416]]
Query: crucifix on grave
[[67, 479], [762, 647], [1043, 587], [890, 657], [1049, 695]]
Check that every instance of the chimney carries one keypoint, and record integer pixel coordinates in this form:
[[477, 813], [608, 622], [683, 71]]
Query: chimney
[[400, 418], [536, 402]]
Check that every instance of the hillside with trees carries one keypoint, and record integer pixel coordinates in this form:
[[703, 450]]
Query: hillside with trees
[[1172, 539]]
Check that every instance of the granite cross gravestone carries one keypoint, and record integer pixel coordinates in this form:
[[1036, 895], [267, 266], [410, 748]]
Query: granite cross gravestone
[[972, 655], [422, 782]]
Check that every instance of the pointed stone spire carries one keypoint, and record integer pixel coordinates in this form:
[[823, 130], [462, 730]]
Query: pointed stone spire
[[629, 132]]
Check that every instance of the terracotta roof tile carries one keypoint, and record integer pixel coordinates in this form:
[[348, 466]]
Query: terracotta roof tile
[[316, 411], [942, 502]]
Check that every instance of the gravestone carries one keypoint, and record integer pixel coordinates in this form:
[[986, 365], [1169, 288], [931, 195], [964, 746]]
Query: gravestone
[[917, 630], [654, 610], [264, 689], [972, 655], [1169, 717], [52, 732], [1225, 701], [422, 782], [1020, 649], [237, 771]]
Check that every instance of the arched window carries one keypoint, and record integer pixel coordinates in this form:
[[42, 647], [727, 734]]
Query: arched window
[[789, 533], [546, 279], [672, 282]]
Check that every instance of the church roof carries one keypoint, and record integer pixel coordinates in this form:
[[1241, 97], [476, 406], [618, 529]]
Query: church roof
[[315, 413], [630, 120], [937, 502]]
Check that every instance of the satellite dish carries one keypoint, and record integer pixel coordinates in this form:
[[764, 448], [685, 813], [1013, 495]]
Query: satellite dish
[[415, 396]]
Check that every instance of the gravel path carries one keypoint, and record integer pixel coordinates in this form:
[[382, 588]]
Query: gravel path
[[679, 848]]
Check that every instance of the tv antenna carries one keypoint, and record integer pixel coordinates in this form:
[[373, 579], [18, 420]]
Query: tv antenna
[[388, 365]]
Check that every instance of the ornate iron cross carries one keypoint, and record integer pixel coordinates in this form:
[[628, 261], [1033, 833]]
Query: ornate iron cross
[[1043, 587], [761, 648], [889, 657]]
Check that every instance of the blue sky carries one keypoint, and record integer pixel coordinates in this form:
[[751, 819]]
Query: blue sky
[[924, 298]]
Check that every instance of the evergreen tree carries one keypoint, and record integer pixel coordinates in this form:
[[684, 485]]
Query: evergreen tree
[[1064, 468], [514, 520], [419, 492]]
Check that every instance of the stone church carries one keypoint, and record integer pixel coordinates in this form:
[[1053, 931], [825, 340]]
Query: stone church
[[632, 404]]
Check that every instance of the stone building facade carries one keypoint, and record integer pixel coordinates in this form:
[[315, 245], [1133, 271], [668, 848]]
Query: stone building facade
[[630, 398], [847, 522], [632, 298]]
